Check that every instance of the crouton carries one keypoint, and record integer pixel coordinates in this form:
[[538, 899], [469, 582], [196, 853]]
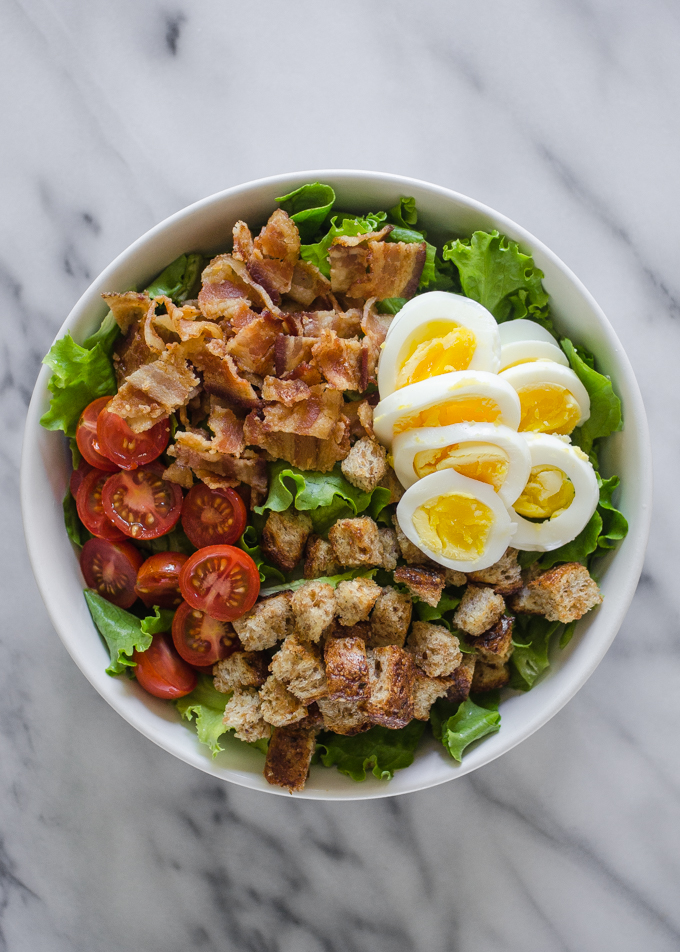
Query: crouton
[[411, 554], [361, 630], [346, 669], [455, 578], [365, 465], [460, 681], [391, 674], [266, 623], [435, 650], [284, 537], [344, 717], [280, 708], [319, 558], [240, 669], [489, 677], [298, 665], [425, 582], [479, 609], [243, 712], [313, 720], [313, 607], [390, 618], [495, 645], [390, 547], [354, 600], [505, 576], [356, 542], [563, 594], [288, 758], [425, 693], [391, 482]]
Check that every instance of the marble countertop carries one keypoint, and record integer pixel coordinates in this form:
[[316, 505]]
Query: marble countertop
[[561, 114]]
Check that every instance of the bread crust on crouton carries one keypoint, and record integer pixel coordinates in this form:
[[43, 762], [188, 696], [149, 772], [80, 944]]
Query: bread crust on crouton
[[280, 708], [390, 546], [266, 623], [313, 606], [320, 559], [284, 537], [364, 466], [391, 482], [354, 600], [504, 576], [356, 542], [347, 669], [461, 679], [390, 618], [392, 674], [455, 578], [425, 692], [425, 582], [411, 554], [495, 645], [563, 594], [489, 677], [435, 650], [240, 669], [344, 717], [299, 666], [480, 608], [288, 758], [243, 712]]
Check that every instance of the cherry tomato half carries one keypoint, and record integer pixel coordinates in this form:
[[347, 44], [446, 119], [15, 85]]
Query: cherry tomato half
[[127, 449], [158, 580], [221, 580], [141, 503], [162, 672], [110, 568], [200, 639], [213, 517], [87, 439], [91, 508], [77, 476]]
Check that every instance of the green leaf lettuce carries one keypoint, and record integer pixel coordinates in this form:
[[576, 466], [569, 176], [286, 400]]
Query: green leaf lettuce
[[459, 726], [605, 406], [205, 707], [308, 206], [79, 376], [379, 749]]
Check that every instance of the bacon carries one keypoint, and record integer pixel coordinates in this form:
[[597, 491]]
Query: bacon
[[155, 390], [128, 307], [314, 323], [289, 392], [342, 362], [291, 351], [375, 326], [226, 284], [394, 270], [307, 372], [253, 345], [243, 241], [304, 452], [179, 473], [131, 352], [270, 259], [307, 283], [223, 471], [226, 426], [360, 416], [220, 374], [352, 241], [279, 238], [182, 321], [348, 265], [316, 416]]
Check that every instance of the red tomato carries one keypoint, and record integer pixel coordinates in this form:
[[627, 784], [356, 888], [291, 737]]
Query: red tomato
[[86, 436], [141, 503], [162, 672], [127, 449], [158, 580], [110, 568], [200, 639], [77, 476], [213, 517], [91, 509], [220, 580]]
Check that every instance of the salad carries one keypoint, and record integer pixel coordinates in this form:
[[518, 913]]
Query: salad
[[336, 484]]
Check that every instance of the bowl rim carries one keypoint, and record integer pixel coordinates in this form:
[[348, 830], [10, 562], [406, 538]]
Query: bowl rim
[[581, 667]]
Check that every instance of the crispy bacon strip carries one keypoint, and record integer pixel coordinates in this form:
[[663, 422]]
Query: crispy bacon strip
[[394, 270], [375, 326], [270, 258], [226, 285], [243, 241], [288, 392], [305, 452], [182, 321], [360, 416], [342, 362], [128, 307], [317, 416], [314, 323], [348, 265], [220, 374], [289, 352], [253, 346], [226, 426], [224, 471], [131, 352], [179, 473], [279, 238], [155, 390], [307, 283]]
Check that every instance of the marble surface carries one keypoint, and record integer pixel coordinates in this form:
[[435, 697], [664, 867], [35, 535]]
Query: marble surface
[[559, 113]]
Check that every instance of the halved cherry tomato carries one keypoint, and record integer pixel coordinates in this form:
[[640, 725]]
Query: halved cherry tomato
[[127, 449], [220, 580], [110, 568], [158, 580], [87, 439], [213, 517], [162, 672], [91, 509], [200, 639], [141, 503], [77, 476]]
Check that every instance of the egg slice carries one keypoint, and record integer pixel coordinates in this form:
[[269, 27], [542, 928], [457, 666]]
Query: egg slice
[[491, 453], [468, 396], [524, 341], [437, 333], [459, 522], [561, 490], [552, 398]]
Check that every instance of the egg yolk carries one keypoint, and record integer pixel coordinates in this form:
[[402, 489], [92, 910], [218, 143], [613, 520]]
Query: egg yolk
[[547, 493], [455, 525], [439, 347], [482, 461], [548, 408], [471, 409]]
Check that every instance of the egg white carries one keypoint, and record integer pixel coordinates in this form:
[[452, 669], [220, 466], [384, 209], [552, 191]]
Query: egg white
[[547, 371]]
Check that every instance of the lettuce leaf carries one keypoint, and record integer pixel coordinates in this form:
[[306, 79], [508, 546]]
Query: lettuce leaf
[[308, 206], [459, 726], [390, 305], [379, 749], [333, 580], [122, 631], [79, 376], [529, 659], [447, 603], [605, 406], [614, 523], [340, 225], [180, 280], [107, 335], [249, 543], [160, 621], [205, 707], [404, 213], [75, 530]]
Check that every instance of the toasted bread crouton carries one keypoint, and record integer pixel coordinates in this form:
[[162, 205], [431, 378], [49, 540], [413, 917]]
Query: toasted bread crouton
[[435, 650], [266, 623], [356, 542], [455, 578], [313, 607], [346, 669], [320, 559], [390, 546], [284, 537], [489, 677], [411, 554], [390, 618], [299, 666], [288, 758], [425, 693], [505, 576], [563, 594], [313, 719], [355, 599], [344, 717], [495, 645], [391, 673], [240, 669], [391, 482], [460, 681], [479, 609], [243, 712], [425, 582], [280, 708], [365, 465]]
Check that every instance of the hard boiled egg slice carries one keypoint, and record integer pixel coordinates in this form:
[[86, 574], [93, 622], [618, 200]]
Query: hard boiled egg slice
[[437, 333], [469, 396], [491, 453], [523, 341], [561, 490], [552, 398], [459, 522]]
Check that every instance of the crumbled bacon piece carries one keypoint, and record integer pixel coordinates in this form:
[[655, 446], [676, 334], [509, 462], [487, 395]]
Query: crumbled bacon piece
[[179, 473], [128, 307], [289, 392], [314, 323], [304, 452], [342, 362], [270, 258], [156, 389], [291, 351], [243, 241], [226, 285], [316, 416], [221, 471], [228, 429], [394, 270], [131, 352], [221, 376], [349, 257], [360, 416], [279, 238], [375, 326], [307, 283], [253, 346], [182, 321]]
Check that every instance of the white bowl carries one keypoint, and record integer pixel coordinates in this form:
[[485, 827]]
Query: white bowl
[[206, 226]]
